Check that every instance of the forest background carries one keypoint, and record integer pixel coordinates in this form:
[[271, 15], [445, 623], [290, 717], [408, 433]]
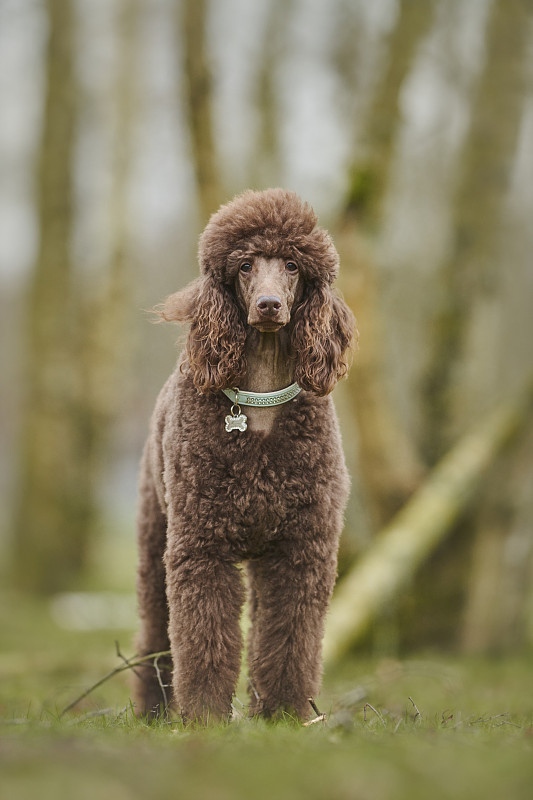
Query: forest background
[[408, 126]]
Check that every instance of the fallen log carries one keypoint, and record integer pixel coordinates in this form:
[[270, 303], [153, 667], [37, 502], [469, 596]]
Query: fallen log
[[406, 542]]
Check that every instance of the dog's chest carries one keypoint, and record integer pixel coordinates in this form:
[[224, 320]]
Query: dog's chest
[[260, 420], [249, 480]]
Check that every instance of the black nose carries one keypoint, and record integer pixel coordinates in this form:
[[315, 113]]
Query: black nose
[[269, 305]]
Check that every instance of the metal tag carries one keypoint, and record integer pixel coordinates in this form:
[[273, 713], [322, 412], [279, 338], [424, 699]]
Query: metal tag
[[236, 422]]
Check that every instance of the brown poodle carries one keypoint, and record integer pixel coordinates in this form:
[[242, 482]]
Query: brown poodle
[[229, 477]]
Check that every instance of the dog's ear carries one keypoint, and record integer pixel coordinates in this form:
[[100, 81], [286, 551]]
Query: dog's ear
[[322, 331], [215, 345], [181, 306]]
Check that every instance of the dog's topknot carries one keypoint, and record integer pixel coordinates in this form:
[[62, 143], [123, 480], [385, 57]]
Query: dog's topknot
[[272, 223]]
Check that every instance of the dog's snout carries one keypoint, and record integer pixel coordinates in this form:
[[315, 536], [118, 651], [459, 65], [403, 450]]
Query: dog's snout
[[269, 305]]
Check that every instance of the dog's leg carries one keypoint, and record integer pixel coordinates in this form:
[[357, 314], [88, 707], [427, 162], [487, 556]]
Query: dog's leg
[[152, 689], [205, 597], [288, 626], [252, 634]]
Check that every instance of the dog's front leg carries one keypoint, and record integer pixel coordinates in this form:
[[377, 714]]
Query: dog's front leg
[[205, 597], [151, 686], [291, 598]]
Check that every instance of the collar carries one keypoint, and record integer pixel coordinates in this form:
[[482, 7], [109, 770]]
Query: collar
[[242, 398]]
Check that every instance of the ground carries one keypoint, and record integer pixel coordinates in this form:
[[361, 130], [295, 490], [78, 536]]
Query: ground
[[432, 726]]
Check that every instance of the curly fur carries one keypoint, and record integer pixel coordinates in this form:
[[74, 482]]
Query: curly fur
[[272, 497]]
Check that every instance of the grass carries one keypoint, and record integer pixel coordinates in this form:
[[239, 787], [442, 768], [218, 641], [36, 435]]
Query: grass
[[466, 732]]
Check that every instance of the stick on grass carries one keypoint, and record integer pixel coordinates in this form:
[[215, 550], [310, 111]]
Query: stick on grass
[[129, 664]]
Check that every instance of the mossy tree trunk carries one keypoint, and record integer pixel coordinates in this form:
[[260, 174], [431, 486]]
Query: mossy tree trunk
[[500, 584], [412, 536], [75, 331], [471, 282], [53, 508], [105, 315], [370, 173], [484, 179], [390, 466], [267, 158], [192, 24]]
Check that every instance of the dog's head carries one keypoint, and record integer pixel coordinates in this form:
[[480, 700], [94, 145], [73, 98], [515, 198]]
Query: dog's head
[[266, 265], [274, 223]]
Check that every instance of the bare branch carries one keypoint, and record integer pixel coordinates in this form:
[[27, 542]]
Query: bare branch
[[126, 661], [314, 707], [319, 717], [129, 665], [418, 715], [160, 681], [378, 715]]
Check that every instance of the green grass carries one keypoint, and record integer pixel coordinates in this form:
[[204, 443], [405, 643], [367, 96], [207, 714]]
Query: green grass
[[472, 737]]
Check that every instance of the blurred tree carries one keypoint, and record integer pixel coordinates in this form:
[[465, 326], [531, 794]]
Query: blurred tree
[[426, 519], [437, 597], [53, 508], [105, 316], [483, 182], [71, 338], [192, 25], [266, 166], [370, 172], [390, 466], [469, 277], [500, 580], [102, 309]]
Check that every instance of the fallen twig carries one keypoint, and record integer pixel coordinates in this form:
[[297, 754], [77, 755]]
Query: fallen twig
[[489, 719], [128, 665], [319, 717], [418, 715], [162, 686], [314, 707], [378, 715], [101, 712], [127, 661], [252, 688]]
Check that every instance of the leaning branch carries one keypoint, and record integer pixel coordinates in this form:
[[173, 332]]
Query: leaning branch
[[419, 527]]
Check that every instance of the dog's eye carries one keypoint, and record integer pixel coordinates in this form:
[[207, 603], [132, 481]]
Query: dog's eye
[[246, 267], [290, 266]]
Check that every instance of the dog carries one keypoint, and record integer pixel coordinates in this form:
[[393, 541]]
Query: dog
[[244, 466]]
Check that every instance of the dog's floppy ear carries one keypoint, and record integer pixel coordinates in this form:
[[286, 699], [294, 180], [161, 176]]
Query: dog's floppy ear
[[323, 329], [215, 344], [181, 306]]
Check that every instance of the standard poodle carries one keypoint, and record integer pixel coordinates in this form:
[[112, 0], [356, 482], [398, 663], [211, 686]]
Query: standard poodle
[[244, 465]]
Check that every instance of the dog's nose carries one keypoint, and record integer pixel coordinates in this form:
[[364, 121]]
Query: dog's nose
[[269, 305]]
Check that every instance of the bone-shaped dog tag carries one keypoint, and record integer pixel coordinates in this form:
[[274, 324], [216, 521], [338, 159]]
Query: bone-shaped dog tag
[[236, 422]]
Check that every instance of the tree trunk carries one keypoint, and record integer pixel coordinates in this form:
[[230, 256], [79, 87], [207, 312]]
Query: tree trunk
[[266, 167], [104, 339], [75, 332], [107, 320], [484, 175], [370, 175], [390, 466], [198, 84], [495, 617], [415, 532], [52, 506], [472, 301]]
